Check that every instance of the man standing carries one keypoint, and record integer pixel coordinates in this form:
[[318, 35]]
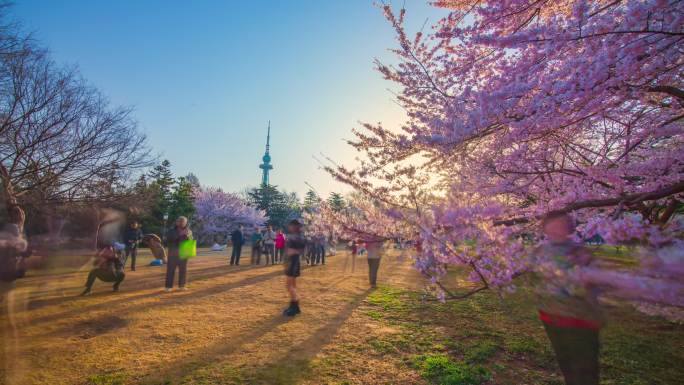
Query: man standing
[[132, 237], [238, 239], [174, 237], [256, 246], [269, 244]]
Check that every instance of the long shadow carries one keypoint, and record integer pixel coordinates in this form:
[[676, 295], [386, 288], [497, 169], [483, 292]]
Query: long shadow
[[176, 298], [169, 298], [177, 369], [147, 282], [291, 366]]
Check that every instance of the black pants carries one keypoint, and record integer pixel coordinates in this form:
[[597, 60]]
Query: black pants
[[235, 256], [373, 266], [182, 265], [133, 252], [577, 353], [279, 254], [105, 275]]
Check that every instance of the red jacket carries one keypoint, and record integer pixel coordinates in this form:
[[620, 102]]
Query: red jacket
[[280, 241]]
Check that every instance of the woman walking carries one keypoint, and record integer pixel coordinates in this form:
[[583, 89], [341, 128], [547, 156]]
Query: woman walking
[[181, 232], [293, 253]]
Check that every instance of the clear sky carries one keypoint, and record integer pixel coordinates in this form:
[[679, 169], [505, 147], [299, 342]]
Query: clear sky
[[206, 76]]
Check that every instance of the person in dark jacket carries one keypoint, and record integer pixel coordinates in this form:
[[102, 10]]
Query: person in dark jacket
[[296, 244], [174, 237], [132, 238], [108, 268], [238, 239]]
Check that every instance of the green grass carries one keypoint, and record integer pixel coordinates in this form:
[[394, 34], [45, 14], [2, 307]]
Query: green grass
[[108, 379], [441, 369], [484, 337]]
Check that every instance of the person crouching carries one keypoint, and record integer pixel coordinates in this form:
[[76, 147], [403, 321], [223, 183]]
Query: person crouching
[[108, 268]]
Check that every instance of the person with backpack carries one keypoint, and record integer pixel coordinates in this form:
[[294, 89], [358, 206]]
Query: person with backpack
[[132, 238], [181, 232], [279, 246], [108, 268], [238, 239], [295, 246]]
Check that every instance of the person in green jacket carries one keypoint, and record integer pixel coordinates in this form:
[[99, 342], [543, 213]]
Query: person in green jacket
[[256, 239]]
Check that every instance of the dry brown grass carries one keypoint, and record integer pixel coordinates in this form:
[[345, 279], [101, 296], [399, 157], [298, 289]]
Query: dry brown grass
[[227, 328]]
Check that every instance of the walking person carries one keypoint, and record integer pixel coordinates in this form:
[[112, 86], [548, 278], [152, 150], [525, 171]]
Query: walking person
[[238, 239], [132, 238], [269, 244], [321, 249], [108, 268], [279, 246], [373, 251], [295, 246], [256, 247], [568, 309], [181, 232]]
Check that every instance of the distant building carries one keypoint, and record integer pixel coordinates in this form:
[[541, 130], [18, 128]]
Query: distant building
[[266, 166]]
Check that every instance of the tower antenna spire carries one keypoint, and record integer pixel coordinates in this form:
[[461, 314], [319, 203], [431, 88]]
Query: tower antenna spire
[[268, 137]]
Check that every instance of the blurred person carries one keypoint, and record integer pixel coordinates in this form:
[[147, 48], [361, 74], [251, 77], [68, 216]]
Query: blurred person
[[279, 246], [157, 247], [179, 233], [256, 239], [237, 238], [14, 252], [132, 238], [295, 247], [374, 248], [320, 249], [269, 244], [108, 268], [310, 250], [568, 309]]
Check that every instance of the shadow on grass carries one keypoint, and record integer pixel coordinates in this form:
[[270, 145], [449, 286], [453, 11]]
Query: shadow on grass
[[121, 298], [295, 363], [168, 299]]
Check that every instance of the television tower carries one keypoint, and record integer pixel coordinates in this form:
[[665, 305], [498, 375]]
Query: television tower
[[266, 166]]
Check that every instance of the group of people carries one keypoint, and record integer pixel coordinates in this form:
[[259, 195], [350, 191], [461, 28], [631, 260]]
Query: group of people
[[111, 258], [569, 312]]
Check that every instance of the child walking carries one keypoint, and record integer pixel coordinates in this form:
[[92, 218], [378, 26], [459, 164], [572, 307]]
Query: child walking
[[295, 246]]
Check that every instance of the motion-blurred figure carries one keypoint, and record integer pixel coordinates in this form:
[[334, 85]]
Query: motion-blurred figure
[[108, 268], [567, 307], [157, 247], [295, 249]]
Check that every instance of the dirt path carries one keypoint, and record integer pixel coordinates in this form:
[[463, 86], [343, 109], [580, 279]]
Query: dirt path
[[227, 328]]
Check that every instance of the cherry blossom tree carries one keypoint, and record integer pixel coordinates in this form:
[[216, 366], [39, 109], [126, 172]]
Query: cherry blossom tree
[[219, 212], [517, 108]]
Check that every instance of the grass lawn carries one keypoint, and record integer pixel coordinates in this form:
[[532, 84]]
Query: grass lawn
[[227, 329]]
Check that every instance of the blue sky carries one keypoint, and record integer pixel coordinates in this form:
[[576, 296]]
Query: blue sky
[[206, 76]]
